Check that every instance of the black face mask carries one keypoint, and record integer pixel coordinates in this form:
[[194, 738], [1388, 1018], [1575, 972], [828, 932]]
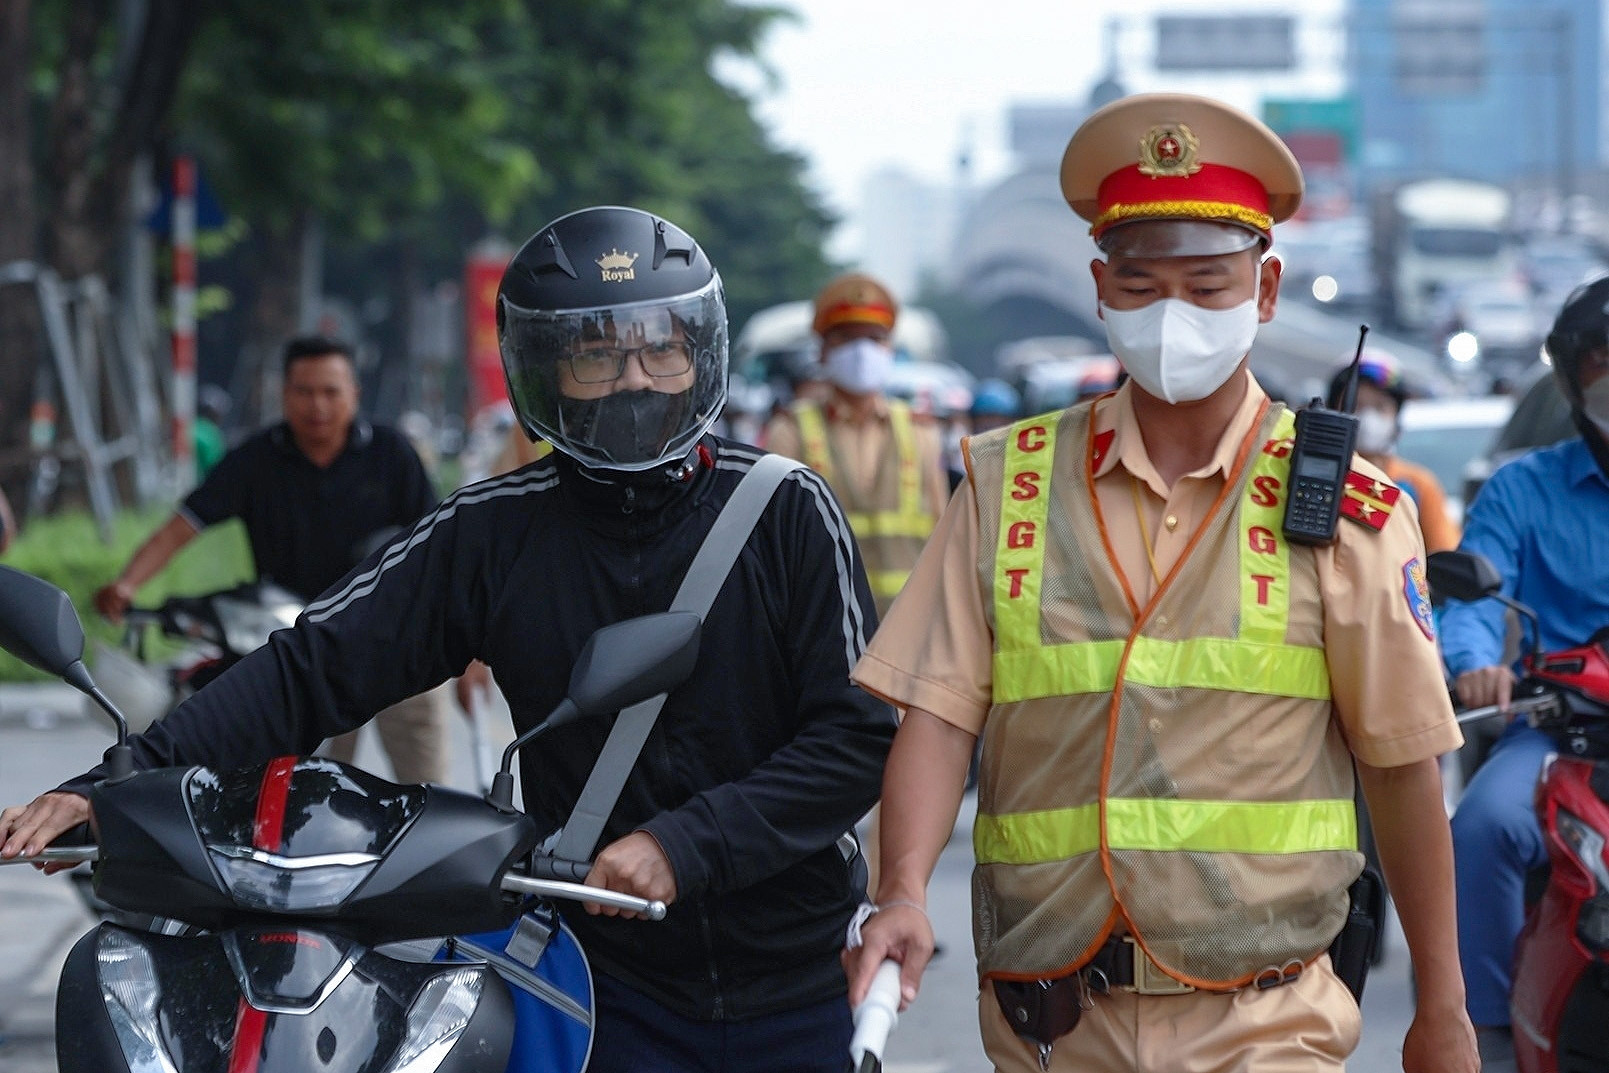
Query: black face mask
[[628, 426]]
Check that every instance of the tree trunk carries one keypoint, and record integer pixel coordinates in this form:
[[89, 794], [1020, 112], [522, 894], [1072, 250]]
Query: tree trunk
[[275, 315], [19, 320], [398, 374], [91, 177]]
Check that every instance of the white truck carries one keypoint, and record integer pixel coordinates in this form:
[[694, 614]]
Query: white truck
[[1432, 235]]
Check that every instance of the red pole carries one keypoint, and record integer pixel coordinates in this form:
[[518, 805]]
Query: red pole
[[184, 321]]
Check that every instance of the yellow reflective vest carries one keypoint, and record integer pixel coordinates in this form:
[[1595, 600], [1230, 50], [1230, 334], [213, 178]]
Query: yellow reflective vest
[[1175, 766], [890, 514]]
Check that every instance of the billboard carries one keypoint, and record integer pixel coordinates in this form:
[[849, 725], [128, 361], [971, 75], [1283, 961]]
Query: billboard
[[1257, 43], [1439, 47]]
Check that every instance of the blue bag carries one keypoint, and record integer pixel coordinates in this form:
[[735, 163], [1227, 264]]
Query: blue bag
[[551, 983]]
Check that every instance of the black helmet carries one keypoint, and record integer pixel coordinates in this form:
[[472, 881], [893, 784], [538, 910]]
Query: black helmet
[[1581, 326], [591, 294]]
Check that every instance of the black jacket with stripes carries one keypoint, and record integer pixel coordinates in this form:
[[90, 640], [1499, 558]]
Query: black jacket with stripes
[[756, 765]]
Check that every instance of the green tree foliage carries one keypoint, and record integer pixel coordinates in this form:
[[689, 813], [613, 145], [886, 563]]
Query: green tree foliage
[[408, 131], [626, 107], [412, 130], [365, 113]]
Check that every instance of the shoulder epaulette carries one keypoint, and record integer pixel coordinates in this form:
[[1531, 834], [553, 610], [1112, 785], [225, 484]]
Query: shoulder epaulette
[[1369, 500]]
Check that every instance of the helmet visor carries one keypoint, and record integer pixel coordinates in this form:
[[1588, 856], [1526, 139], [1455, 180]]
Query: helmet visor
[[624, 387]]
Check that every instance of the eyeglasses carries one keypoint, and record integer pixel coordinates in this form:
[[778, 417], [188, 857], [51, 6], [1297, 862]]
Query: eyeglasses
[[601, 365]]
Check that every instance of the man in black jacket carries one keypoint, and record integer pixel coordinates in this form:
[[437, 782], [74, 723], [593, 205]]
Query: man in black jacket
[[613, 331]]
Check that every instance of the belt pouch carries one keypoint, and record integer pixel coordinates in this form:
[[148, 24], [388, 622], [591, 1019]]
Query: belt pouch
[[1038, 1011], [1356, 947]]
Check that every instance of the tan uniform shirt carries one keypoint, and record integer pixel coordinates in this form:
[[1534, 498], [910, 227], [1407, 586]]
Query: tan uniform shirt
[[935, 652], [861, 443]]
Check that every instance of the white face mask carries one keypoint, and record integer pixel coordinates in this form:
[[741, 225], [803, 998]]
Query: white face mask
[[860, 366], [1377, 432], [1595, 404], [1177, 350]]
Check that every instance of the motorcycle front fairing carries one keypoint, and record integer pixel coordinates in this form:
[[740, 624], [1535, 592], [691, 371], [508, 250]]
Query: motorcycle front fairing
[[306, 839], [1560, 995], [273, 1000]]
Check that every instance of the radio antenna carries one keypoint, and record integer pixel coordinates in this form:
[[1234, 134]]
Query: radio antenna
[[1349, 396]]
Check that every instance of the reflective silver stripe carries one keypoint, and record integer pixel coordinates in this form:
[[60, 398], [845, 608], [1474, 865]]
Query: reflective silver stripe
[[516, 484], [843, 543], [291, 864], [837, 526]]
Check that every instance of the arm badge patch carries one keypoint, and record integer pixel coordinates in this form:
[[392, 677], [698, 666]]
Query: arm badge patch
[[1416, 591]]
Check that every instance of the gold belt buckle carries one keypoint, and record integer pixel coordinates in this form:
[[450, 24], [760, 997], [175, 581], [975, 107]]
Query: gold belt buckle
[[1148, 978]]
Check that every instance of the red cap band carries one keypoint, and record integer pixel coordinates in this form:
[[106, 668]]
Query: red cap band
[[1214, 192], [849, 313]]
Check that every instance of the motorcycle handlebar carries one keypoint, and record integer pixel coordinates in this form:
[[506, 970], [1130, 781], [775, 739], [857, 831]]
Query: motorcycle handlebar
[[1523, 706], [73, 846], [580, 892], [559, 868]]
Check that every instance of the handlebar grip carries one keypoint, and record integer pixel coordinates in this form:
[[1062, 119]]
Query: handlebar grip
[[875, 1017], [559, 868]]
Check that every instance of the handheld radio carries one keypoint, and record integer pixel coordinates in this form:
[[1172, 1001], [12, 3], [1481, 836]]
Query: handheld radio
[[1321, 457]]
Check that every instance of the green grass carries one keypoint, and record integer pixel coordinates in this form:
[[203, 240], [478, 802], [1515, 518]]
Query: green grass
[[67, 551]]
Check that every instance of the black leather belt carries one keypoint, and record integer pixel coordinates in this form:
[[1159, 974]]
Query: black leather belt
[[1042, 1011], [1121, 965]]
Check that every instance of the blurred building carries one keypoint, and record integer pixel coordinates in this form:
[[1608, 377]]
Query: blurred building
[[906, 225], [1497, 90]]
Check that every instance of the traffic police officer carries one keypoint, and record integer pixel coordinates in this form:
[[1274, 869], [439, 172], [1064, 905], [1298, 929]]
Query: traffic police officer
[[884, 463], [1170, 695]]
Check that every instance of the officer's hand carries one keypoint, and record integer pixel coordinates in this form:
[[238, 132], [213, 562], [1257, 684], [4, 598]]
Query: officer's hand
[[26, 830], [1440, 1043], [901, 932], [473, 685], [634, 865], [114, 599], [1485, 685]]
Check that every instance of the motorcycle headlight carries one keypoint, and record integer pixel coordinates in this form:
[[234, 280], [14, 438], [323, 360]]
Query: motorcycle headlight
[[436, 1019], [1586, 846], [129, 985], [290, 884]]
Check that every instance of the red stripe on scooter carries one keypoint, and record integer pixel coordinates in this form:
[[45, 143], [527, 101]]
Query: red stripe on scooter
[[246, 1049], [268, 828]]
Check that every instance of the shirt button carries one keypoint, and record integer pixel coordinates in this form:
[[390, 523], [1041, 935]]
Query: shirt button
[[1172, 522]]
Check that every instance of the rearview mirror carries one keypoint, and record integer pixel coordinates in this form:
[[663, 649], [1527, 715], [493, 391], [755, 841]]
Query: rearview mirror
[[38, 624], [620, 665], [1462, 575], [633, 660]]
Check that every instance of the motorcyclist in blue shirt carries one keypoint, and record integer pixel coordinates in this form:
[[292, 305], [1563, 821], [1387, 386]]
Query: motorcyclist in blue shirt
[[1543, 520]]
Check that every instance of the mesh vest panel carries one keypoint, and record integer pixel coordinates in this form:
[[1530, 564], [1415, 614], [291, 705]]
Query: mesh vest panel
[[1193, 757]]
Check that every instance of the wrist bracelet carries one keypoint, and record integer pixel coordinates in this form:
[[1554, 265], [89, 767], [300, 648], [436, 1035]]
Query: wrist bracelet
[[866, 910]]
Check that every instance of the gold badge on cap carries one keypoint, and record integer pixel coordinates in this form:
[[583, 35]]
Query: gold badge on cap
[[1169, 151], [617, 266]]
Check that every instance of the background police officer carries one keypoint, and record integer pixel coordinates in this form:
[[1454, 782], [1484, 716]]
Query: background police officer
[[884, 463]]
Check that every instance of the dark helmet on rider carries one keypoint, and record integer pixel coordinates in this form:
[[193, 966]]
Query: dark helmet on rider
[[995, 398], [1581, 326], [592, 293]]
